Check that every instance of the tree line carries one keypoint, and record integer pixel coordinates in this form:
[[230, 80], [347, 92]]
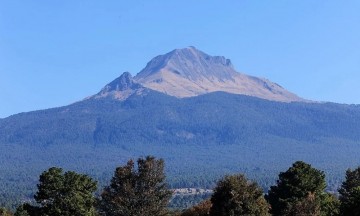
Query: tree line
[[139, 189]]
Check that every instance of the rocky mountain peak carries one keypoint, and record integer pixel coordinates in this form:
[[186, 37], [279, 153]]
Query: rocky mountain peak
[[121, 88], [190, 72], [197, 56], [124, 82], [189, 63]]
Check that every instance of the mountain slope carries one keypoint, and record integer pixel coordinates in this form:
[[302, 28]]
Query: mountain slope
[[189, 72], [200, 137], [216, 118]]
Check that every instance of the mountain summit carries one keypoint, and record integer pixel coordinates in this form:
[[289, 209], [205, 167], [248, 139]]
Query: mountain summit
[[189, 63], [190, 72]]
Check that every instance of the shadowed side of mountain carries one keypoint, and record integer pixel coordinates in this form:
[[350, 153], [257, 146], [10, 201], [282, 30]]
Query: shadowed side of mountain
[[214, 118]]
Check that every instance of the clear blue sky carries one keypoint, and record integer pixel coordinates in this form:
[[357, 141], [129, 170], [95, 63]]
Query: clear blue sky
[[54, 53]]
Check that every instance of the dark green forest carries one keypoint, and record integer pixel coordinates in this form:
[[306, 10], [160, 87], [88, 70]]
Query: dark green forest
[[201, 139], [139, 188]]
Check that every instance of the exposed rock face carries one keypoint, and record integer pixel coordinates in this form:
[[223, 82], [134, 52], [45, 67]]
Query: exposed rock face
[[121, 88], [122, 83], [189, 63], [189, 72]]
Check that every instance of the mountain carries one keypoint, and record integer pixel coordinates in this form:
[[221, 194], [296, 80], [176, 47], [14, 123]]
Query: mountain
[[200, 137], [121, 88], [190, 72]]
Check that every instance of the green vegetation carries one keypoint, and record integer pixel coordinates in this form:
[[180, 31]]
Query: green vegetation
[[301, 185], [350, 193], [330, 205], [62, 194], [301, 191], [137, 193], [201, 209], [143, 191], [235, 195], [92, 136], [185, 201], [5, 212]]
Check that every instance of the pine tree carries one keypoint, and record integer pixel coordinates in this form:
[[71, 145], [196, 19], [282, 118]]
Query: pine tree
[[350, 193], [293, 188], [235, 195], [62, 194], [136, 193]]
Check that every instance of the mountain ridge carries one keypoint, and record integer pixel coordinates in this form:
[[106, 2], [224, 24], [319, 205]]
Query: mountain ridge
[[190, 72], [121, 88]]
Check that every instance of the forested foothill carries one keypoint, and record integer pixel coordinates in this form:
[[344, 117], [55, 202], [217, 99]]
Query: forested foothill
[[140, 188], [93, 136]]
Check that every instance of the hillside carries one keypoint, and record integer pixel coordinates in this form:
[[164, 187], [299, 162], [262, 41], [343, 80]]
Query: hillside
[[244, 134], [201, 135], [217, 118]]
